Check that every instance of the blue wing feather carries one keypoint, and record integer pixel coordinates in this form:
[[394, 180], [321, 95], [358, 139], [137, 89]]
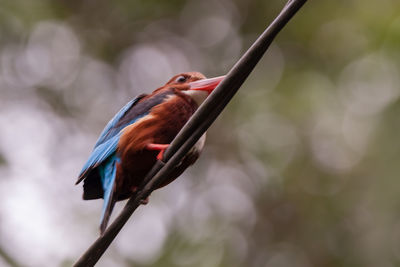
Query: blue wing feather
[[110, 130], [108, 173], [109, 137], [107, 143], [100, 153]]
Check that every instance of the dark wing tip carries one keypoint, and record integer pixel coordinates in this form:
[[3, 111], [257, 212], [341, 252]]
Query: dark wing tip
[[79, 180], [106, 218], [81, 177], [103, 227], [84, 174]]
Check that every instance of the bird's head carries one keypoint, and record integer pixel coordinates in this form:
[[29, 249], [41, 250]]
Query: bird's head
[[194, 84]]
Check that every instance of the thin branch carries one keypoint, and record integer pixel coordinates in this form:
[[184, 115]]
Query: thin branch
[[8, 259], [193, 130]]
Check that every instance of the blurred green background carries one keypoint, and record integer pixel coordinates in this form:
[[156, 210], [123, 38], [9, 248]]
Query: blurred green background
[[302, 168]]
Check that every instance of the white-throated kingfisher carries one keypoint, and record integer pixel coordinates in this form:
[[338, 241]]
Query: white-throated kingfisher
[[138, 135]]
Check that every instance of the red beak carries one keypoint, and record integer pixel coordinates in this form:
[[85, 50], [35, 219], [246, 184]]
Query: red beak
[[207, 85]]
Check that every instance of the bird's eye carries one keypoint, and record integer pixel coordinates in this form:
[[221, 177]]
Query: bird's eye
[[181, 79]]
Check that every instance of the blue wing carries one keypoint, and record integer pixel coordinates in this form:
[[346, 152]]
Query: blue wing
[[108, 174], [100, 153], [110, 130], [107, 143]]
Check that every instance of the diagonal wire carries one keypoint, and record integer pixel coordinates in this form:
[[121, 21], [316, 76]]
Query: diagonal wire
[[193, 130]]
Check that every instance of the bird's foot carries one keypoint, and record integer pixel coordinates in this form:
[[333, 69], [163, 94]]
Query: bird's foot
[[143, 201], [134, 189], [159, 147]]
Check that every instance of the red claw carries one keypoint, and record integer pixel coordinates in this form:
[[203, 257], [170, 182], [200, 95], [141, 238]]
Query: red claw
[[159, 147]]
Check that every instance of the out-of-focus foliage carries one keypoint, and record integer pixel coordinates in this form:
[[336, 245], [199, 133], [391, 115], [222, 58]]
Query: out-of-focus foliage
[[302, 169]]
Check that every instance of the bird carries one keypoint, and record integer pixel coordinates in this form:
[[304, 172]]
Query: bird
[[137, 136]]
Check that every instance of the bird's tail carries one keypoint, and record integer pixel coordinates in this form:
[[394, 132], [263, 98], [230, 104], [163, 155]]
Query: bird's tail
[[108, 176]]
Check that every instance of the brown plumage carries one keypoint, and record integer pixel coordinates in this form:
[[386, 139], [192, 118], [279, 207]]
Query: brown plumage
[[128, 146], [160, 127]]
